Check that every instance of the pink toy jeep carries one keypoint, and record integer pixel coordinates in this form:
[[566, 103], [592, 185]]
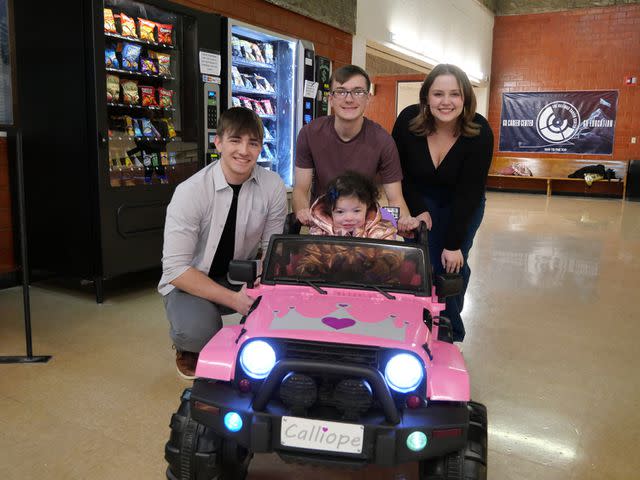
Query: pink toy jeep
[[343, 360]]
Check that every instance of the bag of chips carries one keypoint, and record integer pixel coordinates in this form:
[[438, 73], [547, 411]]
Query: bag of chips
[[237, 78], [129, 125], [247, 51], [268, 108], [137, 131], [129, 91], [148, 95], [171, 131], [127, 26], [246, 102], [268, 52], [164, 158], [148, 130], [130, 56], [235, 101], [164, 33], [147, 29], [257, 107], [110, 59], [257, 53], [235, 47], [164, 62], [113, 89], [148, 66], [109, 21], [263, 84], [165, 97]]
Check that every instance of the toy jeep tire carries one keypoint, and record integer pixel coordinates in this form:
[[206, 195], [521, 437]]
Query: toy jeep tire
[[195, 452], [469, 463]]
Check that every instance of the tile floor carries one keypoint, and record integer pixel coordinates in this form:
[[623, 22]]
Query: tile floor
[[552, 316]]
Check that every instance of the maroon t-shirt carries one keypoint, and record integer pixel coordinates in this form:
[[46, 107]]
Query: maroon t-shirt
[[369, 153]]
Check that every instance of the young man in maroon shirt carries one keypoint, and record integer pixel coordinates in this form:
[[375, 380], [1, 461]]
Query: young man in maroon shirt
[[346, 140]]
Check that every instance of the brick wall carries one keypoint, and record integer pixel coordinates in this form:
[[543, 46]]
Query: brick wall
[[7, 261], [328, 41], [586, 49], [382, 108]]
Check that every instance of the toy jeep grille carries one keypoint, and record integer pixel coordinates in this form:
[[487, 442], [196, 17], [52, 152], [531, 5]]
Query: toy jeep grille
[[333, 353]]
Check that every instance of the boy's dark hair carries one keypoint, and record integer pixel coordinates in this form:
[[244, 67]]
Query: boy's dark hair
[[351, 184], [344, 74], [240, 121]]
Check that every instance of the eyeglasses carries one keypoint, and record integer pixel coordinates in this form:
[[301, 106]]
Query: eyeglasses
[[355, 93]]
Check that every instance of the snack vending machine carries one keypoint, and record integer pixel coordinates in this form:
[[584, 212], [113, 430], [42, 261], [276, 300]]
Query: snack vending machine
[[273, 75], [127, 115]]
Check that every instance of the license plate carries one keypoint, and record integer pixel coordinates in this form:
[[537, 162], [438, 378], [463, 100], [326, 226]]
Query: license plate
[[321, 435]]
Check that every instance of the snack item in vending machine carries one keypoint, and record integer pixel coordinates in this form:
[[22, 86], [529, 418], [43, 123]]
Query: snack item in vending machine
[[137, 131], [113, 88], [248, 80], [109, 21], [235, 47], [268, 136], [257, 53], [267, 153], [268, 52], [268, 108], [263, 84], [148, 65], [129, 125], [129, 91], [165, 97], [164, 158], [148, 130], [130, 56], [237, 78], [172, 158], [127, 26], [148, 94], [164, 62], [257, 107], [110, 59], [164, 33], [246, 102], [235, 101], [171, 131], [147, 29], [246, 50]]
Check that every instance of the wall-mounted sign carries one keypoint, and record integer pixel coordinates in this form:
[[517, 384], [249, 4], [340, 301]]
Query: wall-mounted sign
[[558, 122]]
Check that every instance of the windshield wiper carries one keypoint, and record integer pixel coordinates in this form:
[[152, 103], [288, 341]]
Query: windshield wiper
[[375, 287], [301, 280]]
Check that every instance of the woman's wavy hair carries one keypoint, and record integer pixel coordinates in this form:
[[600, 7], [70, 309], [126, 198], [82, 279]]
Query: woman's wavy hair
[[424, 123]]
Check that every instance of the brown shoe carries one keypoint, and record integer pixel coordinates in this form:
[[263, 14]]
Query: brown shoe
[[186, 364]]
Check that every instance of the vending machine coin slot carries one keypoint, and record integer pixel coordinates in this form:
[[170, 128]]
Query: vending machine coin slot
[[211, 114]]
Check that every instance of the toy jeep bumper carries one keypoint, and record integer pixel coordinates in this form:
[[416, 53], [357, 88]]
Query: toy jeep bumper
[[371, 440]]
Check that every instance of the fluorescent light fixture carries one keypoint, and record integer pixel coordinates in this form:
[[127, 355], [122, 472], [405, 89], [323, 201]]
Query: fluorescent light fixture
[[410, 45]]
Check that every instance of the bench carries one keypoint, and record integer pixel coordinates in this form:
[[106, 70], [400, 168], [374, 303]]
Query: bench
[[551, 175]]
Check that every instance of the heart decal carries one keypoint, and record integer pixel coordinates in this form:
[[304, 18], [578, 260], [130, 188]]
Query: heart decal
[[324, 429], [338, 323]]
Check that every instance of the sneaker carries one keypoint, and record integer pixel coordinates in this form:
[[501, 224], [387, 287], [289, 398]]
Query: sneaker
[[186, 364]]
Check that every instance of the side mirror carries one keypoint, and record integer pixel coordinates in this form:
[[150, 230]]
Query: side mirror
[[245, 271], [448, 284]]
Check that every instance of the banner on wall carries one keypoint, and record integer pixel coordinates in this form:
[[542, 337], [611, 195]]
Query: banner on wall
[[559, 122]]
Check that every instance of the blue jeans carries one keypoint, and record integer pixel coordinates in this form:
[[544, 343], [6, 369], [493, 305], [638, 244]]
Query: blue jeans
[[439, 203]]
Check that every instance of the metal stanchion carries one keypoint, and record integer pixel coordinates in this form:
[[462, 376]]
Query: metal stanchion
[[29, 357]]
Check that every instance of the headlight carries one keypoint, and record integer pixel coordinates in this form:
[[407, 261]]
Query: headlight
[[257, 359], [403, 372]]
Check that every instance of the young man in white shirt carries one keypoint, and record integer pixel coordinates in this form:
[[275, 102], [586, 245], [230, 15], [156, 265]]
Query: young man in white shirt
[[228, 210]]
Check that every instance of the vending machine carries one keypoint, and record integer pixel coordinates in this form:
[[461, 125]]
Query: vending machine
[[273, 75], [118, 102]]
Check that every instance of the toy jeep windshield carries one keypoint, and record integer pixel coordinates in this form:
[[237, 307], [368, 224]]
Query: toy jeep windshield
[[343, 360]]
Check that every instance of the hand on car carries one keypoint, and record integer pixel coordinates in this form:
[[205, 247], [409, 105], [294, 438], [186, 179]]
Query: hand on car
[[426, 218], [407, 223], [304, 216], [452, 260], [241, 301]]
